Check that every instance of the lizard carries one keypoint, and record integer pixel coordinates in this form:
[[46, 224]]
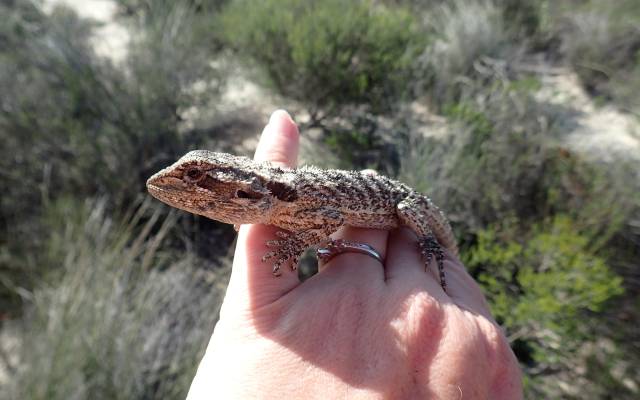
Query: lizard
[[308, 203]]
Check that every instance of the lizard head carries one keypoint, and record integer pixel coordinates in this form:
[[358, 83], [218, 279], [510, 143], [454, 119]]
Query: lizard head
[[219, 186]]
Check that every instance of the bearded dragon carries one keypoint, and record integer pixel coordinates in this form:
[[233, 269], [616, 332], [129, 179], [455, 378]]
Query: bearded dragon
[[308, 202]]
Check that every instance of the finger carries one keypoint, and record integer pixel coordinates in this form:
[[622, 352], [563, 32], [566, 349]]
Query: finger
[[250, 275], [405, 265], [358, 266], [279, 141], [405, 268], [463, 289]]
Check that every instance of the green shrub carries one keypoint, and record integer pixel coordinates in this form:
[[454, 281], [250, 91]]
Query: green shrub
[[364, 141], [325, 53], [532, 21], [546, 287], [125, 319]]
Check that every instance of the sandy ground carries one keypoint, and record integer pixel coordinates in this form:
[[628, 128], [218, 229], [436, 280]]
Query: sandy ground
[[111, 38], [604, 131]]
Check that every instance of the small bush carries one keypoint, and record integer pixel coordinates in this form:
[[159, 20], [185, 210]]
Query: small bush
[[466, 31], [325, 53], [528, 20], [465, 34], [603, 46], [363, 140]]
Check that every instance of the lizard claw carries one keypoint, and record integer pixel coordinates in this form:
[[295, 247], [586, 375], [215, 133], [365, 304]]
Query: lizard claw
[[276, 269], [284, 236], [294, 262], [282, 257], [430, 249], [269, 255], [275, 243]]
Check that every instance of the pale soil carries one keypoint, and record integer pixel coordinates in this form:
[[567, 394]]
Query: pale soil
[[111, 38], [604, 132]]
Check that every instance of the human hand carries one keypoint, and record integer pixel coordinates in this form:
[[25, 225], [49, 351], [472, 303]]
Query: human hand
[[357, 329]]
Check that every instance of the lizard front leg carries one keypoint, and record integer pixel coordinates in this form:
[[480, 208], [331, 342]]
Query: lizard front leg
[[307, 228], [417, 213]]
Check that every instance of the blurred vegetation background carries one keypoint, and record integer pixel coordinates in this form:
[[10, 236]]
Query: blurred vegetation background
[[520, 118]]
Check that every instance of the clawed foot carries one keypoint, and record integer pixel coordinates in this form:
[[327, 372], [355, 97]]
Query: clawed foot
[[430, 249], [288, 247]]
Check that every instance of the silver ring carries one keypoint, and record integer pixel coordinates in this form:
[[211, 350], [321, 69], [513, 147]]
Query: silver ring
[[339, 246]]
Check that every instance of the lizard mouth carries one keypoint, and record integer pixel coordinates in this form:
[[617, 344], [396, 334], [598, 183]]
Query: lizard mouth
[[161, 187]]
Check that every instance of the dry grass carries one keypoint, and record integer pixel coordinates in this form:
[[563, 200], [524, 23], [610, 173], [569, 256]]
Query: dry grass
[[125, 320]]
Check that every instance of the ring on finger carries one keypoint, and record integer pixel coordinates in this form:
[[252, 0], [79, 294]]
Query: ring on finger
[[340, 246]]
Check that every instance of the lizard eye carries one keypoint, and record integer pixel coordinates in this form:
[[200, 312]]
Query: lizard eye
[[194, 174]]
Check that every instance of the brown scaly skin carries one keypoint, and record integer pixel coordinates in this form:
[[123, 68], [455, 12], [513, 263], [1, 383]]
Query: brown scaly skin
[[308, 202]]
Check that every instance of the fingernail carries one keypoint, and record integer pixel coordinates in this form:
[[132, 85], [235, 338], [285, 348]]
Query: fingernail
[[280, 114]]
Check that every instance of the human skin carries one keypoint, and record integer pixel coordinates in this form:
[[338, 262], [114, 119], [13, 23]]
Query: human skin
[[357, 329]]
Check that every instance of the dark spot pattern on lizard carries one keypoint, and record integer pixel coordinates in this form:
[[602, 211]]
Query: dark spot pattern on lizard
[[282, 191]]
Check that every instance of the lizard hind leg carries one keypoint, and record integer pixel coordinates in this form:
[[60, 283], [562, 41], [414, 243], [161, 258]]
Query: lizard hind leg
[[412, 214], [430, 249]]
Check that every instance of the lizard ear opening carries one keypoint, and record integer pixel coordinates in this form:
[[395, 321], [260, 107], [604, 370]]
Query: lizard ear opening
[[242, 194], [282, 191]]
